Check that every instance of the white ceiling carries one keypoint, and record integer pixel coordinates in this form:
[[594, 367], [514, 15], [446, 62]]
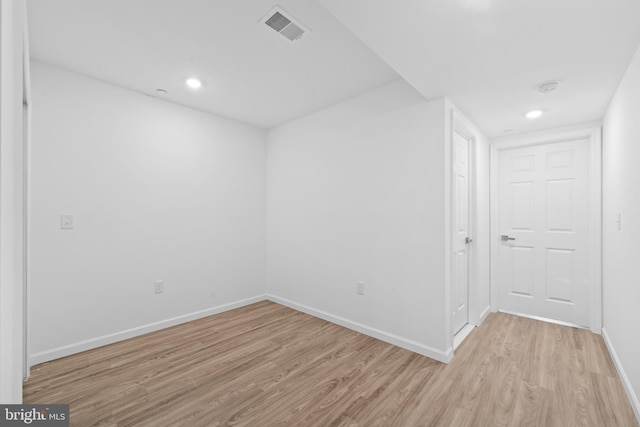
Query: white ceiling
[[487, 56], [250, 72]]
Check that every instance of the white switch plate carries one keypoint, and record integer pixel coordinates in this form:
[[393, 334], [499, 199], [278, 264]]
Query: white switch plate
[[158, 286], [360, 288], [66, 222]]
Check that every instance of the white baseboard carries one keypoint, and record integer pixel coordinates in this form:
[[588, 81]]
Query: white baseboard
[[633, 398], [414, 346], [462, 334], [92, 343], [484, 314]]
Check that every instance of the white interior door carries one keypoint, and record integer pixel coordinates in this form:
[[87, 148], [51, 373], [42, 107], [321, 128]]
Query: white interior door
[[461, 235], [543, 206]]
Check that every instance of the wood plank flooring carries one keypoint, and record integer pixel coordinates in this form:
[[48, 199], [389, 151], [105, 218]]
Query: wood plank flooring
[[267, 365]]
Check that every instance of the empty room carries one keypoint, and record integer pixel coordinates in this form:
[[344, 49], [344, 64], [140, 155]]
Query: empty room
[[319, 212]]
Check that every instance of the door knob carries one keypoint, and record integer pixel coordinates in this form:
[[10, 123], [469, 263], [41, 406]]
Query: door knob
[[506, 238]]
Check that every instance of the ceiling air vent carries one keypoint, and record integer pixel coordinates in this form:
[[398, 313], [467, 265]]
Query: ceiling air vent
[[284, 24]]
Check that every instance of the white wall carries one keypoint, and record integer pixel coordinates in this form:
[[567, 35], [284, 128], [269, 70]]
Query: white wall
[[480, 286], [356, 192], [621, 251], [12, 30], [158, 191]]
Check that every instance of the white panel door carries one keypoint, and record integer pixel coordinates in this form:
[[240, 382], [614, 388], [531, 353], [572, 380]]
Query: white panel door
[[544, 213], [460, 240]]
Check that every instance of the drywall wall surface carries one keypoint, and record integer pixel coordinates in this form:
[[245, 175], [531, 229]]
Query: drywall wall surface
[[356, 194], [481, 285], [157, 191], [620, 188]]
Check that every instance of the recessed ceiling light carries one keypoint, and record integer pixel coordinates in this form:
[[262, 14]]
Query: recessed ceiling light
[[161, 91], [194, 83], [508, 131], [533, 114]]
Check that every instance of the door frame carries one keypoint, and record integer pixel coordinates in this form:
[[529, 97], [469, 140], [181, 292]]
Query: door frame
[[26, 206], [594, 136]]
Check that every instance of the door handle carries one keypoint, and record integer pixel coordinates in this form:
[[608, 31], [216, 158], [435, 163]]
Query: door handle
[[506, 238], [467, 240]]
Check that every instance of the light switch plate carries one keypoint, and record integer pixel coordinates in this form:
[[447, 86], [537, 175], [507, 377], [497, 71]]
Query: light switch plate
[[158, 286], [66, 222]]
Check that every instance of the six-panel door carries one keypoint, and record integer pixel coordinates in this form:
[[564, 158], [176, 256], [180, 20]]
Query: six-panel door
[[544, 208], [460, 259]]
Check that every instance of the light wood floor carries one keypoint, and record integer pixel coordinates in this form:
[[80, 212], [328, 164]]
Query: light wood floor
[[266, 365]]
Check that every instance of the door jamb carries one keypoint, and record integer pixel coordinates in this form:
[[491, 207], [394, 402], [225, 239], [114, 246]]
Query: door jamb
[[594, 136], [26, 191]]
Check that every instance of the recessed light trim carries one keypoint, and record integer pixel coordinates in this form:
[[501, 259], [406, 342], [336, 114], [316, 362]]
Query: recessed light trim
[[194, 83], [534, 114]]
